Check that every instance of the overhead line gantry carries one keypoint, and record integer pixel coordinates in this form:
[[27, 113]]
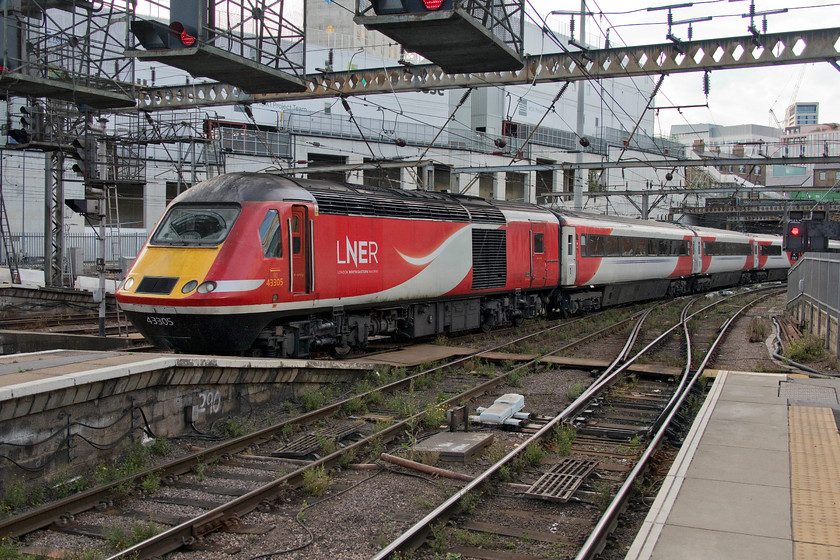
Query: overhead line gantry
[[792, 47]]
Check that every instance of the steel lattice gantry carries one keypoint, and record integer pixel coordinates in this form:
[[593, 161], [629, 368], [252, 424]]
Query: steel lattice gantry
[[794, 47], [457, 35], [254, 44]]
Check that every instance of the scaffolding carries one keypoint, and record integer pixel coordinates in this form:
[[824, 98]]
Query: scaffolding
[[70, 88], [258, 46], [68, 50], [457, 35]]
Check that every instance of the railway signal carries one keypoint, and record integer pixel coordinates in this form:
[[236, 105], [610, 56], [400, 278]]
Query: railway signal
[[383, 7], [812, 234], [80, 154], [183, 31], [796, 237], [457, 35]]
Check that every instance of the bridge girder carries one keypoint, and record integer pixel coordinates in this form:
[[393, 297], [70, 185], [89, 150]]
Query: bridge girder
[[793, 47]]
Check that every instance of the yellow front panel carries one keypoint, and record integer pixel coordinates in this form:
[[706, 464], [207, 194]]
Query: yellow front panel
[[189, 263]]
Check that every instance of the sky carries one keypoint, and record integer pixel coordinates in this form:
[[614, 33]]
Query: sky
[[741, 96]]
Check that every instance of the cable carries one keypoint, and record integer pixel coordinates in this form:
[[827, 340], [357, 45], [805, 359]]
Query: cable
[[440, 130]]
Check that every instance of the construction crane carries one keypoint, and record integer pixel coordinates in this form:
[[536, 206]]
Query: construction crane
[[793, 95]]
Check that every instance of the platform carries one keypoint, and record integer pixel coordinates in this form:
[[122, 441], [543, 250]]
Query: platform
[[211, 62], [99, 98], [757, 477]]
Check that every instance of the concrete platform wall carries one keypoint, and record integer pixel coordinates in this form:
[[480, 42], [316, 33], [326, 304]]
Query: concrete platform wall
[[44, 428]]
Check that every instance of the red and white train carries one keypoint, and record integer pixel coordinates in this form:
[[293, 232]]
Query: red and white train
[[259, 264]]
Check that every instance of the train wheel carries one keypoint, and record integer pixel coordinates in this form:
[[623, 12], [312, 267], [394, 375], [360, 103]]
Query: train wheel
[[574, 307], [486, 326], [518, 320], [340, 352]]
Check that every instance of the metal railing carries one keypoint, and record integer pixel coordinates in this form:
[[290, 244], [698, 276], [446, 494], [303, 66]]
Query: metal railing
[[29, 247], [813, 298]]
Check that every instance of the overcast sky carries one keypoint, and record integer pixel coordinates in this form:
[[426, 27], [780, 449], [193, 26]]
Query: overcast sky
[[737, 96]]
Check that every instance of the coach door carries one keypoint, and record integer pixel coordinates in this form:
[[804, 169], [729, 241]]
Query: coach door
[[538, 272], [696, 255], [300, 251], [568, 271]]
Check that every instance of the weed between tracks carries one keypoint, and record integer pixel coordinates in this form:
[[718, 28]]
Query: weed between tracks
[[316, 481], [119, 537]]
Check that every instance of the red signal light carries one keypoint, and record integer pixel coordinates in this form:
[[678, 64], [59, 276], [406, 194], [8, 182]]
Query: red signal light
[[794, 231], [432, 4], [186, 39]]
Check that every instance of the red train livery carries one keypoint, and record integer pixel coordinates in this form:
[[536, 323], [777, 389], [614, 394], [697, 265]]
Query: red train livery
[[260, 264]]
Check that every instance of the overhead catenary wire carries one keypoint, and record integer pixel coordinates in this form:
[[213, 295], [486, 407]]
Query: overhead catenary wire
[[440, 130], [534, 130]]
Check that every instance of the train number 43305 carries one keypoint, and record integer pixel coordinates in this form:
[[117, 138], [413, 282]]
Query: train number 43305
[[160, 321]]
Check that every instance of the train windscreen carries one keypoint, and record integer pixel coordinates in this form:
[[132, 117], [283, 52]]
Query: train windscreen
[[187, 225]]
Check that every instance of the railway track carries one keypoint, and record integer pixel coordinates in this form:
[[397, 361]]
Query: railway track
[[102, 497], [86, 323], [618, 421], [268, 476]]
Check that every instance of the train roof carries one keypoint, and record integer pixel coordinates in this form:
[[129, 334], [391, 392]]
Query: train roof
[[765, 237], [572, 218], [357, 200], [346, 199], [722, 234], [244, 187]]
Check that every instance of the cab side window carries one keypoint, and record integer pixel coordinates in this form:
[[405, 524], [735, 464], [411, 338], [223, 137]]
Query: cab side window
[[539, 243], [271, 235]]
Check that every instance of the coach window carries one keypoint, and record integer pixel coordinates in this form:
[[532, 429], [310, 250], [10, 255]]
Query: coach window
[[626, 246], [641, 246], [612, 247], [770, 250], [676, 245], [597, 246], [539, 243], [270, 234]]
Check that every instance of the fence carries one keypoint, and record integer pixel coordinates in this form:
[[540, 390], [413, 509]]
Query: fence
[[813, 296], [29, 247]]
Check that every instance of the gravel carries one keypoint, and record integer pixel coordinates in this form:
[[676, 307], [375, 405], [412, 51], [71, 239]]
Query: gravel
[[362, 511]]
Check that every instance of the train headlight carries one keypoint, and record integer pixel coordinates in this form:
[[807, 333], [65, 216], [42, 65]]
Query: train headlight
[[129, 282], [189, 286], [206, 287]]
